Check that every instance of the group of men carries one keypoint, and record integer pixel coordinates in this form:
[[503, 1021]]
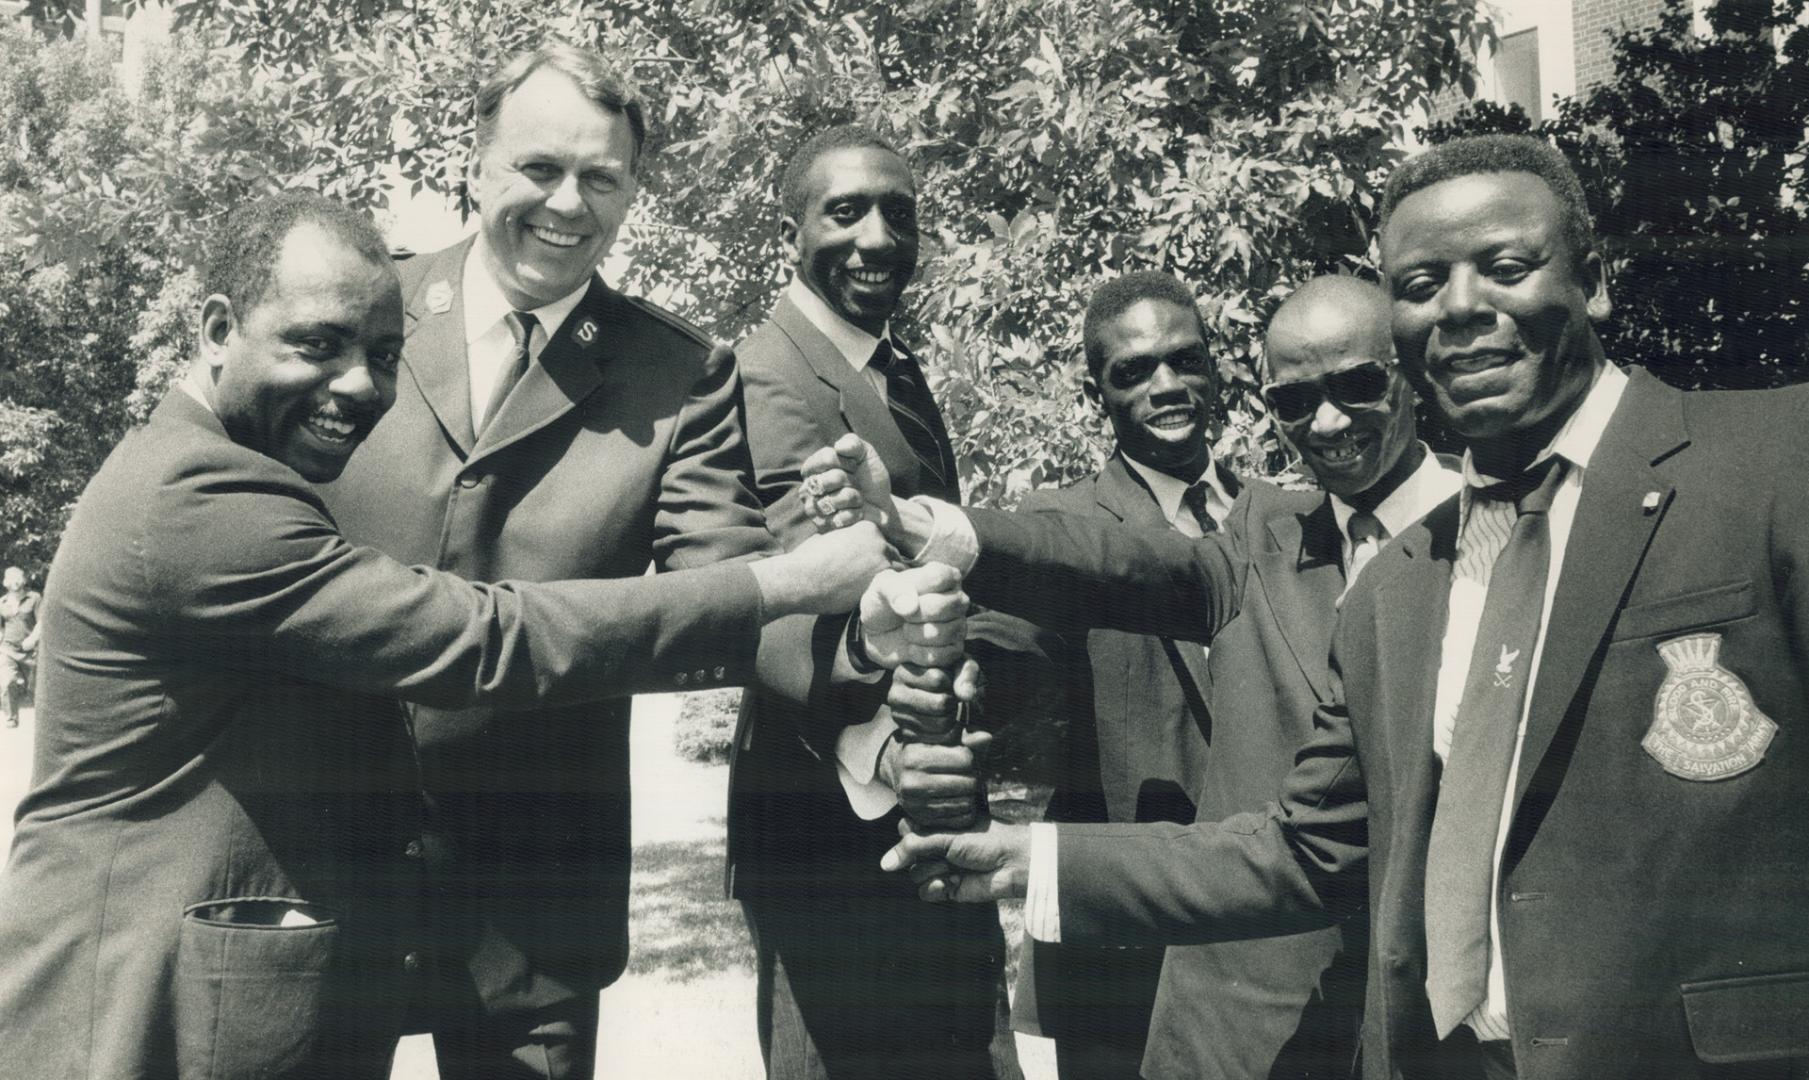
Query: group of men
[[241, 857]]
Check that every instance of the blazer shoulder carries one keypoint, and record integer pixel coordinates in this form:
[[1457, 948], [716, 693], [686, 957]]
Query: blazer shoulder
[[673, 329], [767, 346]]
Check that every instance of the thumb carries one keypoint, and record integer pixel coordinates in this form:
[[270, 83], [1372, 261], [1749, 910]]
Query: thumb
[[913, 848], [977, 740]]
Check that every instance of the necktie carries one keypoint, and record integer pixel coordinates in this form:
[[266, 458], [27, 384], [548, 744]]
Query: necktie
[[1460, 861], [521, 328], [1194, 498], [914, 411], [1367, 535]]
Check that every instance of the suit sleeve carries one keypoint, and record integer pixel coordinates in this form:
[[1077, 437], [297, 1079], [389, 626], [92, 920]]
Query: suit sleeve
[[1072, 573], [248, 572], [706, 511], [1296, 866]]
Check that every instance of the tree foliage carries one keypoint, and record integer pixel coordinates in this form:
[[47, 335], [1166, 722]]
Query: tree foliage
[[1693, 160], [1239, 145]]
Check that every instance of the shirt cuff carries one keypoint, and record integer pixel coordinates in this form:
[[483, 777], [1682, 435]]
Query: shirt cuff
[[952, 539], [856, 759], [1042, 911]]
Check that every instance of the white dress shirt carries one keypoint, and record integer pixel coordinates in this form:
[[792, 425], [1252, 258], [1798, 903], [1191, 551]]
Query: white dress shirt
[[488, 343], [858, 747], [1575, 443], [1169, 492]]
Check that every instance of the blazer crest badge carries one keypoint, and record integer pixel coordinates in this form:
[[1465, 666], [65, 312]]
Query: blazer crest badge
[[439, 297], [1704, 723]]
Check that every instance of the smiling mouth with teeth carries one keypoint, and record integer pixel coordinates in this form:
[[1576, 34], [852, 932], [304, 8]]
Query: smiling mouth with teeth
[[870, 277], [555, 237], [1172, 421], [1342, 453], [332, 429]]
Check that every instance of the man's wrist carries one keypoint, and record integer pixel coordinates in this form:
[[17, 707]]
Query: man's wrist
[[855, 643]]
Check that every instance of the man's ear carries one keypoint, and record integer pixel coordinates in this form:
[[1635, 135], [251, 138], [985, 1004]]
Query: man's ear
[[788, 240], [1594, 279], [217, 326], [1090, 386]]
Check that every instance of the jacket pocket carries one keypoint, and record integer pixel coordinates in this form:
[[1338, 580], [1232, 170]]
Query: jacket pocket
[[1723, 603], [1754, 1018], [249, 990]]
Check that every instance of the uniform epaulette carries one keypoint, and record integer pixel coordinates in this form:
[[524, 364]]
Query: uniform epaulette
[[675, 321]]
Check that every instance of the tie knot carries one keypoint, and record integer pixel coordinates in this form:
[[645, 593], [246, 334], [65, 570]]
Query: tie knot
[[1194, 498], [521, 327], [1364, 526], [1532, 491], [883, 357]]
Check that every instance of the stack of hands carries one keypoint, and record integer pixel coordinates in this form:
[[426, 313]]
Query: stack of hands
[[913, 621]]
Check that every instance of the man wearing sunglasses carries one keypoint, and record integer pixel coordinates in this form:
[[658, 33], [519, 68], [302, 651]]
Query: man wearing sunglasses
[[1290, 1007]]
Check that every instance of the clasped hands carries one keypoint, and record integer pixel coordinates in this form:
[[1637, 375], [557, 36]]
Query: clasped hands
[[914, 621]]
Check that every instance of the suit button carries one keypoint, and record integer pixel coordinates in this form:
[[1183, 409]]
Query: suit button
[[411, 961], [412, 849], [468, 480]]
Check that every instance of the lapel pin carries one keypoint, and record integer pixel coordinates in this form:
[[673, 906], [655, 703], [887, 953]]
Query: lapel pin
[[587, 331], [1650, 502], [439, 297]]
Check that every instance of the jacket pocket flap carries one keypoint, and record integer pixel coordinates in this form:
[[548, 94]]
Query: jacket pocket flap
[[1755, 1018], [1676, 614]]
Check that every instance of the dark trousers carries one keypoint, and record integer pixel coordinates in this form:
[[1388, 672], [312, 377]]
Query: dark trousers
[[553, 1042], [880, 988]]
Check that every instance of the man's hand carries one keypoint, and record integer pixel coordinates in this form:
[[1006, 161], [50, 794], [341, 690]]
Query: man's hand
[[847, 482], [917, 615], [937, 785], [926, 702], [991, 862], [826, 574]]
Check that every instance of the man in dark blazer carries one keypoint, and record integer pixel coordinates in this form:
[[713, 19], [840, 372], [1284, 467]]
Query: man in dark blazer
[[1641, 910], [1290, 1007], [856, 978], [218, 870], [546, 426], [1136, 724]]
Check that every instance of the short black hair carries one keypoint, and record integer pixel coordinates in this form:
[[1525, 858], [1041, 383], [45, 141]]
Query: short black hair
[[1119, 294], [243, 248], [1475, 154], [595, 78], [794, 181]]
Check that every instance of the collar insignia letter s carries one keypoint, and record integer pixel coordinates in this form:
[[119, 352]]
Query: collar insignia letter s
[[439, 297], [1704, 723]]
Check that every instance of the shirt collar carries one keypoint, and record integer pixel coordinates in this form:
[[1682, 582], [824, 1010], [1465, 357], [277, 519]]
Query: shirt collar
[[485, 304], [855, 344], [1168, 490], [1576, 441], [1430, 484]]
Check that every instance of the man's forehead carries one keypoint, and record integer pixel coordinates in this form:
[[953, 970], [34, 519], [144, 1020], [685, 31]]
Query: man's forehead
[[868, 170], [1470, 208]]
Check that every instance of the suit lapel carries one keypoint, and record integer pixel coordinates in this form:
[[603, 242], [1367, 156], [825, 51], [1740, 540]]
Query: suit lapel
[[1609, 537], [1301, 568], [435, 350], [862, 408], [568, 369], [1413, 574]]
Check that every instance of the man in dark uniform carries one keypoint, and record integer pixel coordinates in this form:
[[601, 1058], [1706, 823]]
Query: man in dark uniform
[[18, 642], [218, 868], [546, 426]]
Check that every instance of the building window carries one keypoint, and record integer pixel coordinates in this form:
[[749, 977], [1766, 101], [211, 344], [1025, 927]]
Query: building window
[[1517, 72]]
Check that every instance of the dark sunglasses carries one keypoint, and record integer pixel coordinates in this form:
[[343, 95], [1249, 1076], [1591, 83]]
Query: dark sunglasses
[[1363, 386]]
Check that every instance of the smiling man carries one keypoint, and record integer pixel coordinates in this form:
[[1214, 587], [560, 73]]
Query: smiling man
[[546, 426], [1565, 749], [857, 979], [220, 866]]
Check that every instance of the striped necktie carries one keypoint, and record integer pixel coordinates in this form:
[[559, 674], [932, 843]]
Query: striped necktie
[[918, 420]]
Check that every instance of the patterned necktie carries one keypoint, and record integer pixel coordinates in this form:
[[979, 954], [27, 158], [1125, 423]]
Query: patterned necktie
[[521, 328], [918, 420], [1194, 498], [1506, 533], [1367, 535]]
